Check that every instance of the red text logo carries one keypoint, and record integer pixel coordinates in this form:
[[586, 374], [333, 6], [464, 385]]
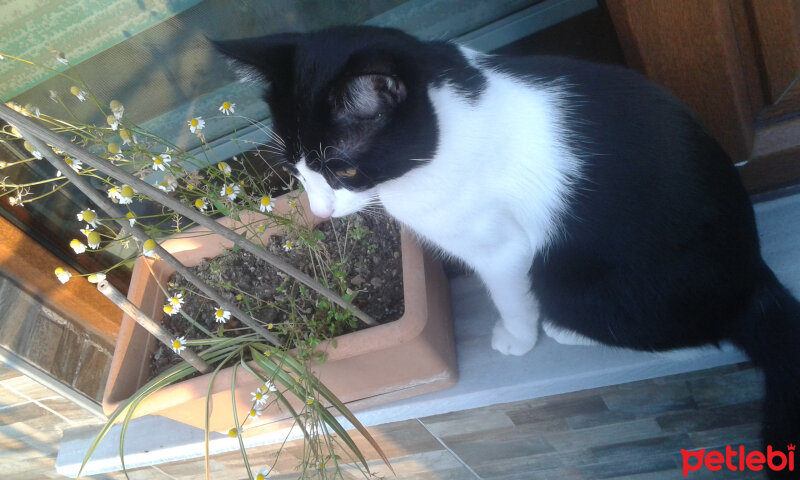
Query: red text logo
[[738, 460]]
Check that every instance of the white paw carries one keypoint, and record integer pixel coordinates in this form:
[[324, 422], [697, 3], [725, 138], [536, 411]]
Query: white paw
[[509, 344], [566, 337]]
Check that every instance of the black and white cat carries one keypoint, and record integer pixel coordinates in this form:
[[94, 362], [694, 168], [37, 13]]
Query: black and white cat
[[587, 199]]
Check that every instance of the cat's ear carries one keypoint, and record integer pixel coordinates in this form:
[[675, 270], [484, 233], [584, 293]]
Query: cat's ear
[[369, 96], [260, 59]]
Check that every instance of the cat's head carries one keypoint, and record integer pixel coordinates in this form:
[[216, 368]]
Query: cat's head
[[350, 105]]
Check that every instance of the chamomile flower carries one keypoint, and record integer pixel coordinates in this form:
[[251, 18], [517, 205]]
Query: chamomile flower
[[86, 231], [63, 275], [126, 136], [161, 161], [176, 300], [293, 203], [222, 316], [113, 194], [262, 228], [260, 397], [73, 164], [113, 122], [263, 474], [255, 412], [149, 248], [93, 239], [287, 246], [117, 109], [234, 432], [196, 124], [89, 216], [170, 309], [269, 387], [113, 148], [201, 204], [34, 152], [77, 245], [96, 277], [310, 400], [169, 184], [131, 217], [227, 108], [80, 94], [266, 204], [179, 344], [126, 194], [224, 168], [231, 191]]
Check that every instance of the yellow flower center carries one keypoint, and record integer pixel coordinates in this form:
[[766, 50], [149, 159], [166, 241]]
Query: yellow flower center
[[268, 353], [158, 161], [253, 412], [93, 238], [310, 400], [176, 344], [199, 203], [260, 476], [168, 309], [259, 396], [60, 271], [125, 134], [175, 300], [28, 146], [88, 216], [288, 244], [68, 161], [93, 278], [226, 105], [265, 201], [193, 122], [75, 90], [126, 191], [115, 105], [130, 215], [233, 432], [149, 245], [113, 147], [111, 119], [261, 228], [220, 314], [228, 190]]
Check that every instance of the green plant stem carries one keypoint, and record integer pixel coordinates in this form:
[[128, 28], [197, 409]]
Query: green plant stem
[[23, 123], [111, 210]]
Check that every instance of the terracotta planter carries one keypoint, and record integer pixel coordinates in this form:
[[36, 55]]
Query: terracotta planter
[[410, 356]]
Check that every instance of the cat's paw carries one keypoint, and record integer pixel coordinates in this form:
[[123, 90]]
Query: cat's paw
[[509, 344]]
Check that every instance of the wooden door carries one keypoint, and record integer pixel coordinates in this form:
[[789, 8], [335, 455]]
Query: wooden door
[[736, 63]]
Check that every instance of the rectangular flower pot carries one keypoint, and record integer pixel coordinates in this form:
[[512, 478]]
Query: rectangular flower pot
[[409, 356]]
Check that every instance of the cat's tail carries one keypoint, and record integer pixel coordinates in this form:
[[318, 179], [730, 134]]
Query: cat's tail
[[770, 334]]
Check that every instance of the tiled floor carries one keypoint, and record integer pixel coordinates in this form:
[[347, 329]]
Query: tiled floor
[[632, 431]]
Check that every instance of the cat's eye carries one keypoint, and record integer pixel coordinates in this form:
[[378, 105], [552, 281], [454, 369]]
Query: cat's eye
[[350, 172]]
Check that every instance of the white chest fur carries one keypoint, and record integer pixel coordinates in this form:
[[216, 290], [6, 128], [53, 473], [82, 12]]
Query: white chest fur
[[499, 176]]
